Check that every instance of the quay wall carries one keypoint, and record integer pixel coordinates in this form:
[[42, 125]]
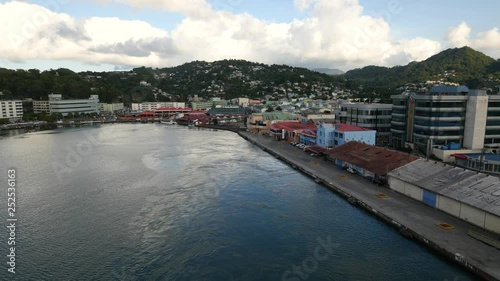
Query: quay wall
[[405, 230]]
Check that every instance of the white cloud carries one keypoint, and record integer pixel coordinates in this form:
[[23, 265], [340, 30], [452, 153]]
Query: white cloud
[[459, 35], [187, 7], [333, 34], [486, 41], [302, 4]]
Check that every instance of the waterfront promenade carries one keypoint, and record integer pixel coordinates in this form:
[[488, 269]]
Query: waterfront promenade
[[414, 219]]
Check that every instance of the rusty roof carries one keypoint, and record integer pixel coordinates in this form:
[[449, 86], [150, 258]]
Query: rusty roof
[[372, 158]]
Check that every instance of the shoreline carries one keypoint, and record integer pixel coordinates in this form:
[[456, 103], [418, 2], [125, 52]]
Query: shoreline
[[469, 253], [410, 217]]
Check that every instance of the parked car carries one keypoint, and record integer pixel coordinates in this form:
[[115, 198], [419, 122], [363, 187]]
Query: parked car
[[351, 170]]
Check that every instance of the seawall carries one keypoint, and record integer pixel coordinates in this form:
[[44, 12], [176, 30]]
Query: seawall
[[413, 219]]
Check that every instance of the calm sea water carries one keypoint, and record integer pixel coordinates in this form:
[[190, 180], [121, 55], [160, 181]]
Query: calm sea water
[[152, 202]]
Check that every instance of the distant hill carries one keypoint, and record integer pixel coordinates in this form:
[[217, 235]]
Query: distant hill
[[329, 71], [225, 79], [460, 65]]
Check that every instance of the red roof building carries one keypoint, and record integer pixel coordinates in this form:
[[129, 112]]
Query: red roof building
[[368, 160], [289, 130]]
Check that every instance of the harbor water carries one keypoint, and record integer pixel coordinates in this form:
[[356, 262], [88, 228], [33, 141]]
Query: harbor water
[[160, 202]]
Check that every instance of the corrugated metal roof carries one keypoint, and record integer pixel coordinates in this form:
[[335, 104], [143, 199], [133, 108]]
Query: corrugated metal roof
[[278, 116], [372, 158], [475, 189]]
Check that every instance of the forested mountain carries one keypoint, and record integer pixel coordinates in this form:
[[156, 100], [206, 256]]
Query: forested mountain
[[225, 79], [329, 71], [238, 78], [460, 65]]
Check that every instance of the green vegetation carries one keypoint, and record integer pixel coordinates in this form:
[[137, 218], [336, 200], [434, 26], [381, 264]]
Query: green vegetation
[[461, 65], [238, 78], [39, 117]]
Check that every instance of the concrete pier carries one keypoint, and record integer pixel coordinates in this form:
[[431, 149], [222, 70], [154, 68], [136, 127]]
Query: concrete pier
[[413, 219]]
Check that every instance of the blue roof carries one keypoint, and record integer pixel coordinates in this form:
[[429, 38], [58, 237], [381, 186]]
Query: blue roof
[[450, 89]]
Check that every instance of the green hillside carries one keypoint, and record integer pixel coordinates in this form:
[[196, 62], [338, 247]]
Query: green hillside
[[459, 65]]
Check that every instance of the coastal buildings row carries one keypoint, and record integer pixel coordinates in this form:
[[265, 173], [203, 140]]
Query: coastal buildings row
[[468, 195]]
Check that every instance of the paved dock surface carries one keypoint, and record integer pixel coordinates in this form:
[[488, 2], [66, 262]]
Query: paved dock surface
[[413, 218]]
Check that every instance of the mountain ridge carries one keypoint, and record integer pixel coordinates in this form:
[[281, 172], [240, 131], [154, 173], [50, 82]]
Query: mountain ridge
[[456, 65]]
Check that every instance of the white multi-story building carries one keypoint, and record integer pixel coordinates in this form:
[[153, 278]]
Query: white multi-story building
[[57, 105], [151, 106], [11, 109], [111, 107]]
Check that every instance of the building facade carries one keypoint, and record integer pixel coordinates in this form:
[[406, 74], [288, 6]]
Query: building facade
[[467, 195], [308, 137], [41, 106], [487, 162], [11, 109], [111, 107], [370, 161], [56, 105], [332, 135], [151, 106], [373, 116], [446, 115], [201, 105], [260, 123]]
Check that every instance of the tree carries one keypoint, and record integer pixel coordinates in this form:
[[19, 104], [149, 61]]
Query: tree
[[6, 95]]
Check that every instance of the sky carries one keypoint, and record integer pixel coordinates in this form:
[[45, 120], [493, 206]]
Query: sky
[[107, 35]]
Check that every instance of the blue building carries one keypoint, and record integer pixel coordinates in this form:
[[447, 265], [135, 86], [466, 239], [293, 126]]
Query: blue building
[[308, 137], [332, 135]]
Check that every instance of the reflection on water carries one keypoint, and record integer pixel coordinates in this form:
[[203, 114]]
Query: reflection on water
[[151, 202]]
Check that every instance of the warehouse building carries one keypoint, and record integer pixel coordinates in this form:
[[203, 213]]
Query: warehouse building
[[369, 161], [465, 194]]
